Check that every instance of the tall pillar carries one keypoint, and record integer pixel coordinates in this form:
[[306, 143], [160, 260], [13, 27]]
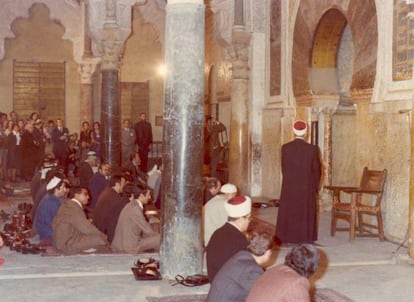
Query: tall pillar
[[410, 236], [86, 70], [239, 126], [181, 248], [326, 195], [109, 23]]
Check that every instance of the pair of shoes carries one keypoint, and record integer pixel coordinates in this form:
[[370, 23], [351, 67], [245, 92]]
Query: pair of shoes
[[147, 263]]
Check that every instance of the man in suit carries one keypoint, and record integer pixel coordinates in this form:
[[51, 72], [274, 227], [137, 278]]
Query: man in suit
[[212, 130], [73, 233], [133, 165], [301, 170], [143, 132], [133, 233], [128, 140], [60, 140], [230, 238], [98, 182], [109, 205], [289, 281], [86, 169], [240, 272]]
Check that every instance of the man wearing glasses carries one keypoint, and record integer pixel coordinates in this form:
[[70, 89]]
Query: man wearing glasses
[[73, 233]]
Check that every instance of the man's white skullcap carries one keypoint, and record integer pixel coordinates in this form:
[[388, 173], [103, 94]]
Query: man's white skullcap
[[238, 206], [299, 128], [53, 183], [228, 188]]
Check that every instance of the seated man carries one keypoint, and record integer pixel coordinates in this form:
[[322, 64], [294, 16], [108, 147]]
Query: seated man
[[48, 208], [133, 165], [214, 215], [86, 169], [212, 187], [133, 233], [240, 272], [230, 238], [72, 231], [288, 282], [109, 205], [98, 182]]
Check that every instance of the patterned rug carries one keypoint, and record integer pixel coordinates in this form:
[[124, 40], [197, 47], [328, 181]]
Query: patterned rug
[[319, 295]]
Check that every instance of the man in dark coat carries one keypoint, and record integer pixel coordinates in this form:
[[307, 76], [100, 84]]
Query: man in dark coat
[[230, 238], [29, 151], [301, 170], [240, 272], [143, 133], [60, 140], [98, 182], [110, 204]]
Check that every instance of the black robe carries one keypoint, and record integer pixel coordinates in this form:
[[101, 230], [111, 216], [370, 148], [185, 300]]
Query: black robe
[[224, 243], [301, 169]]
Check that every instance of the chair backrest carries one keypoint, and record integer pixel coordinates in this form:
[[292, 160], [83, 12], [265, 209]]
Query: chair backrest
[[373, 180]]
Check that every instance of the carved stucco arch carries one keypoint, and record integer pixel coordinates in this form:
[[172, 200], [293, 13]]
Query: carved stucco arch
[[359, 14], [66, 12]]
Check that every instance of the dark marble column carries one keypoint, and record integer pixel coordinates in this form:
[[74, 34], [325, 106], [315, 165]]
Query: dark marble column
[[110, 118], [181, 247]]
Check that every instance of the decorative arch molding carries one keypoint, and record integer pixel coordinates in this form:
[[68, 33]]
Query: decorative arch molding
[[359, 14], [66, 12], [153, 12]]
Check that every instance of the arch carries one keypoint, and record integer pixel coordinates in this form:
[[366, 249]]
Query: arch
[[324, 53], [312, 22]]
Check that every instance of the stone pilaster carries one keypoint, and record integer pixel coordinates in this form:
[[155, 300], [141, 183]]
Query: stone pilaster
[[86, 70], [181, 247], [325, 196], [239, 126], [410, 236]]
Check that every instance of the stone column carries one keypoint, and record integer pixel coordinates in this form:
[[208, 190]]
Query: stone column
[[325, 196], [181, 248], [411, 202], [109, 23], [110, 102], [239, 126], [86, 70]]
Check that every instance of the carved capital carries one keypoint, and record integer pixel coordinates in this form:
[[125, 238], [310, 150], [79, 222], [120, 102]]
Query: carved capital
[[111, 57], [87, 69], [239, 53], [109, 27]]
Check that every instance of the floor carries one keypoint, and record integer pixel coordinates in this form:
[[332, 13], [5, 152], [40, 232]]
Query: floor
[[366, 270]]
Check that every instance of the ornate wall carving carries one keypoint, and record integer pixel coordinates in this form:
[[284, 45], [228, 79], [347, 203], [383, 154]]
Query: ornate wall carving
[[66, 12]]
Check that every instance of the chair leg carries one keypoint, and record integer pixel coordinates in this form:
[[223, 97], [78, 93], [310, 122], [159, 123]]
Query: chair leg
[[352, 225], [380, 226], [333, 223]]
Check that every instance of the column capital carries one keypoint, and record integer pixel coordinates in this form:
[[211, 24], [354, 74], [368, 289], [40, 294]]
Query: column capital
[[239, 52], [87, 68], [109, 23]]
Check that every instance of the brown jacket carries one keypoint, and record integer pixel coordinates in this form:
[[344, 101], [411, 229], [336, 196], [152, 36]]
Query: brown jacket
[[280, 284], [72, 231], [133, 234]]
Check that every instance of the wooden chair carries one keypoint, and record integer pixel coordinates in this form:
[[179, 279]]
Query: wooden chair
[[372, 184]]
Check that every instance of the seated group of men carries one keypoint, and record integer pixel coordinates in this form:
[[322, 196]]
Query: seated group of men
[[105, 215], [235, 259]]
